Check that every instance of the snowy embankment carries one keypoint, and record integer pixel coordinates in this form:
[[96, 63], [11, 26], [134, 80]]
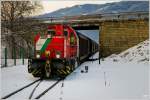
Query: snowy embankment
[[117, 77], [136, 54]]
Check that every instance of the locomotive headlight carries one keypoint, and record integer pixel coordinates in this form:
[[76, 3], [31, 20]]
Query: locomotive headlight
[[37, 56], [48, 36], [58, 55]]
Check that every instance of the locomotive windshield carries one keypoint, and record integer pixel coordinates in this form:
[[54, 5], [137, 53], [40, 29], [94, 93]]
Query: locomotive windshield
[[51, 32], [65, 32], [72, 39]]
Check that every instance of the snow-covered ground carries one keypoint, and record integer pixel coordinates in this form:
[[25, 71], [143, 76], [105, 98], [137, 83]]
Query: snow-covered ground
[[10, 62], [108, 81], [117, 77], [14, 77]]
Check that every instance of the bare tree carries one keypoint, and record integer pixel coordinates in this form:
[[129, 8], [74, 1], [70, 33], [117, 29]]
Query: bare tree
[[12, 10], [14, 16]]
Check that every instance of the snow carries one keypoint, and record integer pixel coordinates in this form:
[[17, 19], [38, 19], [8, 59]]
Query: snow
[[79, 6], [136, 54], [26, 92], [10, 62], [14, 77], [108, 81], [116, 77]]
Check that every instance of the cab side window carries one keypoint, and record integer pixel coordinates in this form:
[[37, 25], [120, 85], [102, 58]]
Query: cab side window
[[51, 32], [72, 39], [65, 33]]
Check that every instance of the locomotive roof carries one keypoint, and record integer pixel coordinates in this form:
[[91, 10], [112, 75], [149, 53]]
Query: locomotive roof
[[84, 36]]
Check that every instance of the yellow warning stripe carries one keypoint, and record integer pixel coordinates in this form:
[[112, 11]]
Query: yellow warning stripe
[[68, 71], [33, 71], [37, 71], [63, 71], [68, 67], [59, 71]]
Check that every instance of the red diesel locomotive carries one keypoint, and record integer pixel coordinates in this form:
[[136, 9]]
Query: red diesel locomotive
[[59, 51]]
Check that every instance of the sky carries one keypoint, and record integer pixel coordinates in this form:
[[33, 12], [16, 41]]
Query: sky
[[52, 5]]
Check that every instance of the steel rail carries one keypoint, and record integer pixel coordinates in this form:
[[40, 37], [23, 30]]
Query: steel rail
[[18, 90], [45, 91]]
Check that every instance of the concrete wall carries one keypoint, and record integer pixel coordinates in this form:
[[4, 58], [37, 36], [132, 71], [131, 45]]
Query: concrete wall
[[117, 36]]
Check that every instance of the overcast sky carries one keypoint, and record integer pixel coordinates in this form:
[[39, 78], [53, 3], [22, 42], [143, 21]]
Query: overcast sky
[[52, 5]]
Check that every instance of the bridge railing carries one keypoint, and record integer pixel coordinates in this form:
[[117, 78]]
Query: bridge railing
[[97, 17]]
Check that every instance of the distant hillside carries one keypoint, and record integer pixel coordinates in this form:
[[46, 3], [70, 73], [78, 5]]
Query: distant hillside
[[123, 6]]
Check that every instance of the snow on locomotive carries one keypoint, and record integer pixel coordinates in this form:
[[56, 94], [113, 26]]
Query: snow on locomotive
[[59, 52]]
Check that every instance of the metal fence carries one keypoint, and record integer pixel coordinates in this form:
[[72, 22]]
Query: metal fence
[[16, 47], [16, 60]]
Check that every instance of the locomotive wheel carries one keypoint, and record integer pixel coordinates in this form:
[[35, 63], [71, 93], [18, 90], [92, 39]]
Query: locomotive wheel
[[29, 66], [72, 67], [29, 69], [48, 69]]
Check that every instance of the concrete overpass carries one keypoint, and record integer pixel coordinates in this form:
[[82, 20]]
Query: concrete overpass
[[117, 31]]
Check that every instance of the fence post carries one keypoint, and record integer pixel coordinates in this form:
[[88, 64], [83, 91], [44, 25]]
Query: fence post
[[20, 53], [22, 56], [5, 57], [15, 56], [99, 55]]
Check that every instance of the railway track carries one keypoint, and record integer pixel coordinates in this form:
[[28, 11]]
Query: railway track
[[49, 88], [32, 92], [18, 90], [34, 89]]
